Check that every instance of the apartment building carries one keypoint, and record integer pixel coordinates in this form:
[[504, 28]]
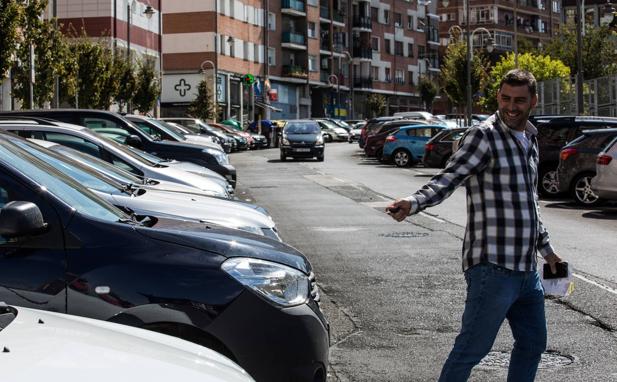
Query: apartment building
[[597, 13], [537, 21]]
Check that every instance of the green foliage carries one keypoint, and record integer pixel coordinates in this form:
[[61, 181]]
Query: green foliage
[[148, 89], [454, 73], [125, 72], [376, 105], [91, 73], [428, 90], [599, 50], [202, 106], [543, 67], [10, 19]]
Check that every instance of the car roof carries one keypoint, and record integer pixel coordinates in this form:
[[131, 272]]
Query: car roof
[[419, 125], [554, 119]]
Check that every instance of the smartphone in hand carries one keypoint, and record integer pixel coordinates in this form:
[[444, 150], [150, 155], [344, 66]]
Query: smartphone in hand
[[562, 271]]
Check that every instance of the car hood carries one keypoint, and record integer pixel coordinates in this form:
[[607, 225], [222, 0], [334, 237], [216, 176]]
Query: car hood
[[52, 346], [193, 168], [226, 242], [187, 173], [162, 185], [202, 141], [195, 207], [302, 137]]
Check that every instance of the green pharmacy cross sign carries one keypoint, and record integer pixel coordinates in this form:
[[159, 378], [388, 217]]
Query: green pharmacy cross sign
[[248, 79]]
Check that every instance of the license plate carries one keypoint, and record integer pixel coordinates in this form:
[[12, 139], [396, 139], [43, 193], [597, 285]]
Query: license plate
[[302, 150]]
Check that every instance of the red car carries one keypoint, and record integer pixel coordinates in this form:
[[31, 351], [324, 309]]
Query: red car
[[375, 141]]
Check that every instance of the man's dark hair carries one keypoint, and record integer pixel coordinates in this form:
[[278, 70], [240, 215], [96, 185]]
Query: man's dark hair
[[519, 77]]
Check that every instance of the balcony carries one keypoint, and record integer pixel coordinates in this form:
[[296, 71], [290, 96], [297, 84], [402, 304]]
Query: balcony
[[362, 23], [293, 40], [293, 7], [324, 12], [363, 82], [338, 16], [294, 71], [362, 52]]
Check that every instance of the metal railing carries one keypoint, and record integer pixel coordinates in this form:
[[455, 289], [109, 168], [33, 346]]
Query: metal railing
[[362, 22], [293, 4], [559, 97], [295, 71], [293, 38]]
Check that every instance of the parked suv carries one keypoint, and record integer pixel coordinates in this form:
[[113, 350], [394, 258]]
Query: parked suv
[[577, 164], [605, 182], [438, 149], [302, 139], [554, 132], [63, 249], [213, 159]]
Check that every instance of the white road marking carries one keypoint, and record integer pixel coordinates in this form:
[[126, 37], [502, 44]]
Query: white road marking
[[432, 217], [604, 287], [336, 229]]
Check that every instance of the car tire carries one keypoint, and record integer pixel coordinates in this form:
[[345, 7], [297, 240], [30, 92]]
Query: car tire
[[327, 138], [581, 190], [402, 158], [548, 182], [320, 158], [283, 157]]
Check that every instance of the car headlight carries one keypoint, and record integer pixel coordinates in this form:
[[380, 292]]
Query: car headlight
[[319, 140], [278, 283], [220, 156], [285, 141]]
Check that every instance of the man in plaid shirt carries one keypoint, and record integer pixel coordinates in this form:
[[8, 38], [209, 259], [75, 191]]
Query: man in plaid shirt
[[498, 164]]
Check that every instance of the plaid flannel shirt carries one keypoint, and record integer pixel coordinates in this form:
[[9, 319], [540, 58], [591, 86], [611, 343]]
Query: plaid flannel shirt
[[503, 216]]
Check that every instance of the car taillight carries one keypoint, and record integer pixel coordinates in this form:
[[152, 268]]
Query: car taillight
[[390, 138], [604, 159], [429, 147], [567, 153]]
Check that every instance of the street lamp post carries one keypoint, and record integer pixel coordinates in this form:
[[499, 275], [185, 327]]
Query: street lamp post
[[351, 79], [579, 58], [338, 90], [203, 70]]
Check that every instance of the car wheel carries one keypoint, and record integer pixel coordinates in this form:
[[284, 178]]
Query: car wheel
[[582, 192], [320, 158], [549, 184], [327, 138], [283, 157], [401, 158]]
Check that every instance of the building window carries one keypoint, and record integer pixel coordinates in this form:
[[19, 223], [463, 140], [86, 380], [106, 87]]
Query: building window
[[375, 43], [386, 16], [374, 13], [222, 44], [398, 20], [409, 50], [388, 78], [312, 30], [409, 22], [271, 56], [399, 77], [421, 24], [556, 6], [375, 71], [312, 2], [410, 77], [256, 50], [388, 45], [271, 21], [398, 48], [421, 52], [312, 63]]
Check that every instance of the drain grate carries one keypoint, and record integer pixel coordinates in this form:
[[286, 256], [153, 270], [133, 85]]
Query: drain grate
[[550, 360], [403, 235]]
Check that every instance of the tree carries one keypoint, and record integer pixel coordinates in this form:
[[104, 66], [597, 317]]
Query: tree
[[376, 105], [428, 91], [599, 50], [91, 73], [111, 83], [202, 106], [128, 81], [10, 19], [454, 73], [543, 67], [148, 89]]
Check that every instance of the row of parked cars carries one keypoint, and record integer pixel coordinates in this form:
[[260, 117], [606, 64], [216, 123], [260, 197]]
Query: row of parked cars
[[103, 217], [573, 150]]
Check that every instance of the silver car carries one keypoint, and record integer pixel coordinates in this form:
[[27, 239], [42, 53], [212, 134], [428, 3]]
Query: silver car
[[88, 141], [148, 202], [605, 181]]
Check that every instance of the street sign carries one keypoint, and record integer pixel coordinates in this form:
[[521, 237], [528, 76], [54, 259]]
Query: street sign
[[248, 79]]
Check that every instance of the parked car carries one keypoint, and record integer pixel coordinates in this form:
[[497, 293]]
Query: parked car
[[130, 159], [243, 139], [160, 131], [406, 145], [302, 139], [340, 123], [372, 125], [331, 131], [197, 126], [356, 131], [604, 184], [554, 132], [59, 347], [144, 201], [577, 165], [248, 297], [438, 149], [207, 157], [375, 141]]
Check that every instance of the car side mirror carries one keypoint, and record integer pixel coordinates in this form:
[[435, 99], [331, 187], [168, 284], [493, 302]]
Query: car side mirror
[[19, 218], [134, 141]]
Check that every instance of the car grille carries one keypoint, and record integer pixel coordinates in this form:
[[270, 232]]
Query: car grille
[[314, 289], [302, 144]]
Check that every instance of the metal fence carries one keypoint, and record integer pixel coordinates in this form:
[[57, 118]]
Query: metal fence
[[558, 97]]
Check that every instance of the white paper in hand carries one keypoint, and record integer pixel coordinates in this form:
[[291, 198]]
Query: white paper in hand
[[561, 287]]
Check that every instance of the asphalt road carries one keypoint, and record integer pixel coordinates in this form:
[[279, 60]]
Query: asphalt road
[[394, 292]]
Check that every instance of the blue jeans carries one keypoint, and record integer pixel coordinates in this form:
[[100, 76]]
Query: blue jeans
[[494, 294]]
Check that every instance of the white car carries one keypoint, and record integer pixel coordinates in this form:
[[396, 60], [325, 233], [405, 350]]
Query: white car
[[45, 346], [605, 181]]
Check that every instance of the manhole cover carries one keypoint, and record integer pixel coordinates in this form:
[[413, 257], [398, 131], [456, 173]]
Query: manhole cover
[[550, 360], [404, 235]]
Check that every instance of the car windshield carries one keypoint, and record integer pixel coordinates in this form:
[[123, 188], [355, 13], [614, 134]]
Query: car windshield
[[165, 129], [61, 186], [84, 176], [329, 124], [98, 165], [179, 129], [152, 160], [130, 152], [301, 128]]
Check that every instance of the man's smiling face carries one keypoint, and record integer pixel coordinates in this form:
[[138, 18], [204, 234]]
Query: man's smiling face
[[515, 104]]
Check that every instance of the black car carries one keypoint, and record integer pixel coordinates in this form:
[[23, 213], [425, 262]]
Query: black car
[[554, 132], [577, 164], [438, 149], [196, 126], [213, 159], [63, 249], [302, 139]]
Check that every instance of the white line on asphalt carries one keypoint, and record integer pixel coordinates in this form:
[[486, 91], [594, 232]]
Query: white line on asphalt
[[608, 289], [432, 217]]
